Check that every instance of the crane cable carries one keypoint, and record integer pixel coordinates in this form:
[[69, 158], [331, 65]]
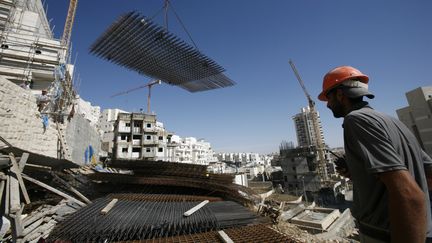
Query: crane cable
[[167, 5]]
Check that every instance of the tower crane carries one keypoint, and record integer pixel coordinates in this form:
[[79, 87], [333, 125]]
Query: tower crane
[[148, 85], [320, 144], [67, 31]]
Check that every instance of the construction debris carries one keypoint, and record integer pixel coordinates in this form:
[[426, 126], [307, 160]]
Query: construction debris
[[39, 223]]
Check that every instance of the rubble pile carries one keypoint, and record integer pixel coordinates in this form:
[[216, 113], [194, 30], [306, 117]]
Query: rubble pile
[[40, 222]]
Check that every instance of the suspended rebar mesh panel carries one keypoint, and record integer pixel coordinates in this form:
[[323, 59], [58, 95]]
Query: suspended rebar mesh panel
[[136, 43]]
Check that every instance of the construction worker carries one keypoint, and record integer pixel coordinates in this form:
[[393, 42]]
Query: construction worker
[[25, 84], [42, 100], [385, 162]]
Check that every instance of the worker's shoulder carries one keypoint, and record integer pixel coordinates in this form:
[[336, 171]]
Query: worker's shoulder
[[362, 113], [366, 116]]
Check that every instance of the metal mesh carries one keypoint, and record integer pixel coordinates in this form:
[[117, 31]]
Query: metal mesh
[[162, 197], [229, 191], [247, 234], [135, 42], [138, 220]]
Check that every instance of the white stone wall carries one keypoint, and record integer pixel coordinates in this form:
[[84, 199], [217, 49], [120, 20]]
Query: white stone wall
[[21, 123], [89, 112]]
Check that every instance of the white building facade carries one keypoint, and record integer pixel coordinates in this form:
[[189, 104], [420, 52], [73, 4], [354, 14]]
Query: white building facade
[[107, 120], [306, 135], [417, 116], [141, 136], [243, 158], [195, 151]]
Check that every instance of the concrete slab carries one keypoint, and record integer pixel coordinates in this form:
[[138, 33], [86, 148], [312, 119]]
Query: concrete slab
[[318, 218]]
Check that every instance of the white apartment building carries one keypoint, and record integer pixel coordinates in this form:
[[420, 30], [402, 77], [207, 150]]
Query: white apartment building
[[305, 131], [243, 158], [107, 120], [195, 151], [417, 116], [141, 136]]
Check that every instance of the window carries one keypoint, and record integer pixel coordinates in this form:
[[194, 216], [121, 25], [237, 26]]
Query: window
[[160, 149], [124, 150], [136, 150], [148, 137], [148, 150], [127, 124], [160, 138], [123, 137], [148, 125]]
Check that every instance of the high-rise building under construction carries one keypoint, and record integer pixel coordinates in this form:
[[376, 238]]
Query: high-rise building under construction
[[306, 135]]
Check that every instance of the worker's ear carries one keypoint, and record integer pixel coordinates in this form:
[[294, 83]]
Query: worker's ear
[[340, 94]]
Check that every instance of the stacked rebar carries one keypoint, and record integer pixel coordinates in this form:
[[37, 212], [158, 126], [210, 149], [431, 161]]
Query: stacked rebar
[[246, 234], [228, 191], [162, 197], [135, 42], [139, 220]]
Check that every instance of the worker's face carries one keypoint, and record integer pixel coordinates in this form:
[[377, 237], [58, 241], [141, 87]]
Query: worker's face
[[334, 98]]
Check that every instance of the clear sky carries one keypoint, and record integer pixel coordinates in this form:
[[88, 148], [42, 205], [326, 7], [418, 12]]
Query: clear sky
[[389, 40]]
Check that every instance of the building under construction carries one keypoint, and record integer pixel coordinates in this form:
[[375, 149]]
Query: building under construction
[[53, 189]]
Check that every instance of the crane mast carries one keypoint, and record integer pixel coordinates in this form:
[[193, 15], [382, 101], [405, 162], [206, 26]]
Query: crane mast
[[67, 31], [314, 115]]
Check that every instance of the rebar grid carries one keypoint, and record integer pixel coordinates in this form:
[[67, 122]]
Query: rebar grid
[[168, 166], [151, 168], [162, 197], [135, 42], [230, 191], [138, 220], [247, 234]]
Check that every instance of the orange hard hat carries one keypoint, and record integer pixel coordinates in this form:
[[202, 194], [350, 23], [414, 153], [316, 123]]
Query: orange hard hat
[[337, 76]]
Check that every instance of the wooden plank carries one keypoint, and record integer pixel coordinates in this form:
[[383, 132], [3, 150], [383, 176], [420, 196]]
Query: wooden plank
[[17, 225], [23, 161], [196, 208], [7, 195], [39, 166], [14, 194], [49, 188], [224, 237], [108, 207], [65, 183], [2, 186], [31, 219], [15, 169]]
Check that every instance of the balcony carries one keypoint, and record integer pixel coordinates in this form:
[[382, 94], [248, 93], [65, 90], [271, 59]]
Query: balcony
[[124, 129], [136, 130], [150, 129], [150, 142], [136, 142], [135, 155]]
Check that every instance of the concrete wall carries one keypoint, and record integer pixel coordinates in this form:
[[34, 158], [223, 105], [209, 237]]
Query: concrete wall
[[80, 135]]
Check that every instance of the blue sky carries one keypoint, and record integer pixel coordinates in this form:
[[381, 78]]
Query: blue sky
[[389, 40]]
